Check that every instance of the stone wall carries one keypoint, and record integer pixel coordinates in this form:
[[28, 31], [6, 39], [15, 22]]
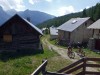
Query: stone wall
[[91, 43]]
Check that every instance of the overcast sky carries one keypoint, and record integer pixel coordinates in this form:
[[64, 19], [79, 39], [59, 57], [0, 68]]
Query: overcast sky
[[53, 7]]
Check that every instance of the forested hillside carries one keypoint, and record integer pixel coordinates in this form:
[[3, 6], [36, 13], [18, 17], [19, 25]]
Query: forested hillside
[[93, 12]]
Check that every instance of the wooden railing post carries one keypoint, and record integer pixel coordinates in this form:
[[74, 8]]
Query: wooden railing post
[[84, 65], [41, 68], [44, 67]]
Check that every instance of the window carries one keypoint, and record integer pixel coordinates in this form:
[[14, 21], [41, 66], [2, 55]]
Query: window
[[74, 21], [7, 38]]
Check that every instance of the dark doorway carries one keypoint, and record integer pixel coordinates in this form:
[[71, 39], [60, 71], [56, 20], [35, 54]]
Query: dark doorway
[[97, 44]]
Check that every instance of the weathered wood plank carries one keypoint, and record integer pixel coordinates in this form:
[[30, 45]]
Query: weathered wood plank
[[74, 69], [54, 73], [70, 69], [70, 66], [92, 59], [93, 73], [93, 65], [84, 66]]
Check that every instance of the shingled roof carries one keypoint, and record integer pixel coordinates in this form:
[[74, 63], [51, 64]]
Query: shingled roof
[[72, 24], [95, 25]]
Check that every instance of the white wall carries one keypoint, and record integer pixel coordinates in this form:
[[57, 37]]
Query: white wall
[[96, 34], [53, 37], [81, 34]]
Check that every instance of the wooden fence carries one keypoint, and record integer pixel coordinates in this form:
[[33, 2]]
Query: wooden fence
[[79, 66], [82, 65]]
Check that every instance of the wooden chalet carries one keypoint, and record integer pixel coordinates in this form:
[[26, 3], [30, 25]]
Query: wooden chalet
[[18, 33]]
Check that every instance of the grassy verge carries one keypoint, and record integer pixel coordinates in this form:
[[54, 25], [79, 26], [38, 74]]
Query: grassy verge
[[26, 64], [54, 42], [59, 62], [90, 53]]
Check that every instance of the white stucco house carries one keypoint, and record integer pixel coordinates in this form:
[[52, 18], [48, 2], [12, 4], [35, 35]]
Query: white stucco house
[[75, 30]]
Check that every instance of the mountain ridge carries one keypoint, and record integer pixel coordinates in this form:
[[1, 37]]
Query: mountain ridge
[[35, 17], [39, 16], [3, 16]]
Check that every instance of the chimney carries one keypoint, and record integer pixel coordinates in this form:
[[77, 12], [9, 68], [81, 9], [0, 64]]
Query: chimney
[[28, 18]]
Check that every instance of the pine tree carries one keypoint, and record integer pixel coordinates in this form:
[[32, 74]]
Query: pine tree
[[84, 13], [97, 12]]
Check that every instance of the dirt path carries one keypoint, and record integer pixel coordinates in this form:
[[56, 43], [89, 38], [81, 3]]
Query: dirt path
[[63, 53]]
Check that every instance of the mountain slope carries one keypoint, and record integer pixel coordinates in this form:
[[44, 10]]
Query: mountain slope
[[35, 17], [11, 12], [58, 20], [3, 16]]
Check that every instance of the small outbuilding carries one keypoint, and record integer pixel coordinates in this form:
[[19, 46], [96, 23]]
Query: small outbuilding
[[53, 33]]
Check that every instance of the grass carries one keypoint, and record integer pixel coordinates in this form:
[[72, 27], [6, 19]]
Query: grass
[[25, 64], [54, 42], [59, 62], [90, 53]]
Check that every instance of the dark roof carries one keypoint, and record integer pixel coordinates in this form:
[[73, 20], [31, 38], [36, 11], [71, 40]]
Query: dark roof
[[37, 29], [26, 21], [72, 24], [95, 25]]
